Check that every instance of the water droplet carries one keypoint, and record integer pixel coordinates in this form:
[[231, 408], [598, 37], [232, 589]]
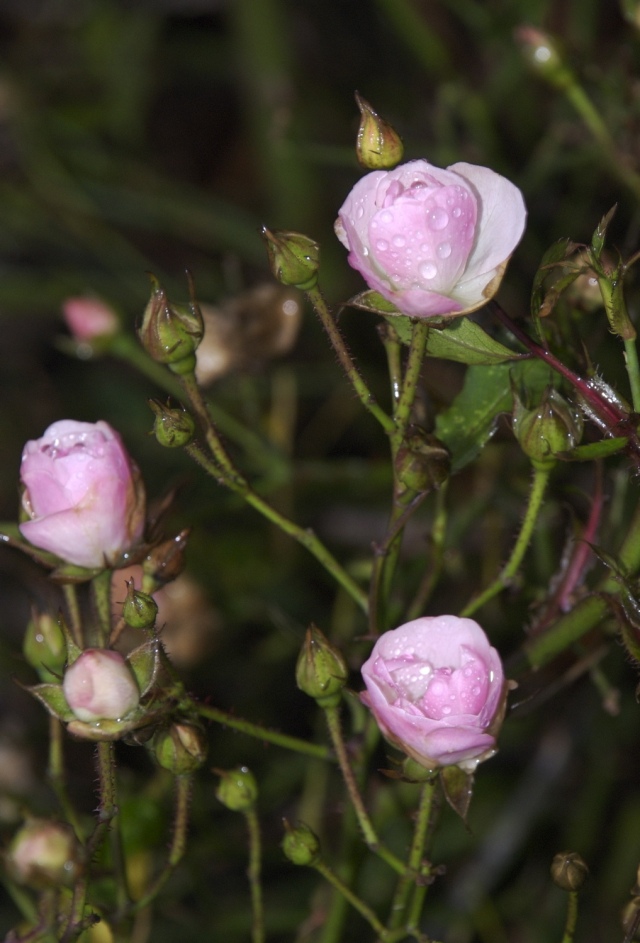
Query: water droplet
[[365, 251], [399, 241], [457, 212], [425, 670], [438, 218], [428, 270], [386, 216], [382, 245], [360, 212], [475, 691], [444, 250], [425, 247], [446, 709]]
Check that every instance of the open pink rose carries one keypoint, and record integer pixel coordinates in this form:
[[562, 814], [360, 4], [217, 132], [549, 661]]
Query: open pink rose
[[432, 241], [99, 685], [82, 492], [436, 689]]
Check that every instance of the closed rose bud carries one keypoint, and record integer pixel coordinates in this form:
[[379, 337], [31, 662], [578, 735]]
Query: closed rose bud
[[437, 691], [423, 462], [553, 426], [170, 333], [631, 919], [99, 685], [44, 646], [543, 55], [237, 789], [569, 870], [83, 494], [181, 749], [166, 560], [300, 844], [321, 671], [294, 258], [173, 428], [139, 610], [379, 146], [432, 242], [90, 319], [44, 854]]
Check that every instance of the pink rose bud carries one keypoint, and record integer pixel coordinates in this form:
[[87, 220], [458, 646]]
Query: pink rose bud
[[83, 494], [437, 691], [88, 318], [99, 685], [431, 241]]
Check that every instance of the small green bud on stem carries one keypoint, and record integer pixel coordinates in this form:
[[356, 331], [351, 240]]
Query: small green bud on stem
[[173, 428], [422, 462], [237, 789], [139, 610], [378, 146], [44, 646], [553, 426], [294, 258], [170, 333], [181, 748], [569, 870], [300, 845], [321, 671]]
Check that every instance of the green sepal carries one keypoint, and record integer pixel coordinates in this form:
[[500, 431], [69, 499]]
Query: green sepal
[[601, 449], [10, 536], [374, 302], [52, 697], [600, 232], [144, 662], [73, 650], [458, 789], [542, 298], [69, 573]]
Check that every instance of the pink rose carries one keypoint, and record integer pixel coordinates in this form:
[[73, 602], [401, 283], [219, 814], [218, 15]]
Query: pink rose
[[99, 685], [432, 241], [436, 689], [83, 494], [88, 318]]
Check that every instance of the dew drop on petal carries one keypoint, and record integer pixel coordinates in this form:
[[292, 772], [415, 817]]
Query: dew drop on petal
[[457, 212], [382, 245], [444, 250], [428, 270], [438, 218], [386, 216], [360, 212], [399, 241], [446, 709]]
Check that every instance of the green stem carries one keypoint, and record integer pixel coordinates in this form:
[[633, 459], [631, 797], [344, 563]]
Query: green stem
[[413, 366], [56, 775], [362, 391], [348, 894], [332, 715], [107, 808], [253, 872], [392, 347], [101, 592], [304, 536], [73, 608], [572, 916], [263, 733], [178, 844], [406, 884], [437, 539], [633, 371], [538, 488]]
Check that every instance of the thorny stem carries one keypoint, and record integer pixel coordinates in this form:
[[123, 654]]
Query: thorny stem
[[392, 347], [304, 536], [101, 593], [348, 894], [56, 775], [572, 916], [361, 389], [405, 884], [437, 540], [73, 608], [633, 371], [263, 733], [178, 843], [415, 357], [332, 715], [536, 495], [253, 873]]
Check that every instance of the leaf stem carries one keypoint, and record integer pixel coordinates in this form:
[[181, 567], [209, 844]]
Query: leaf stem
[[405, 884], [536, 495], [253, 873], [572, 917], [633, 371], [322, 868], [262, 733]]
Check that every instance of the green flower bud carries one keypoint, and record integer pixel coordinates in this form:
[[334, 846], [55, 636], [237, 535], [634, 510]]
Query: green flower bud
[[165, 561], [44, 854], [554, 426], [379, 146], [182, 748], [44, 646], [423, 462], [300, 844], [544, 57], [170, 333], [139, 610], [321, 671], [569, 871], [237, 789], [294, 258], [172, 428]]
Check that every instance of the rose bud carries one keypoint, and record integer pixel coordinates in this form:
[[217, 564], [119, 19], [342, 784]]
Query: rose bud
[[89, 319], [321, 671], [554, 426], [44, 646], [170, 333], [83, 494], [139, 610], [569, 870], [173, 427], [437, 691], [44, 854], [99, 685], [300, 844], [237, 789], [181, 749], [378, 145], [433, 242], [294, 258]]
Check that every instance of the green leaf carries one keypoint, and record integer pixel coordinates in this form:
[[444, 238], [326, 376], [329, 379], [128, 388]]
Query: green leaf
[[602, 449], [458, 789], [144, 661], [465, 341], [555, 255], [600, 234], [52, 697], [373, 301]]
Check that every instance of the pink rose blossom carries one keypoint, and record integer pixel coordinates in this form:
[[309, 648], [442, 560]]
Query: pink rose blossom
[[99, 685], [436, 689], [431, 241], [88, 318], [83, 494]]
